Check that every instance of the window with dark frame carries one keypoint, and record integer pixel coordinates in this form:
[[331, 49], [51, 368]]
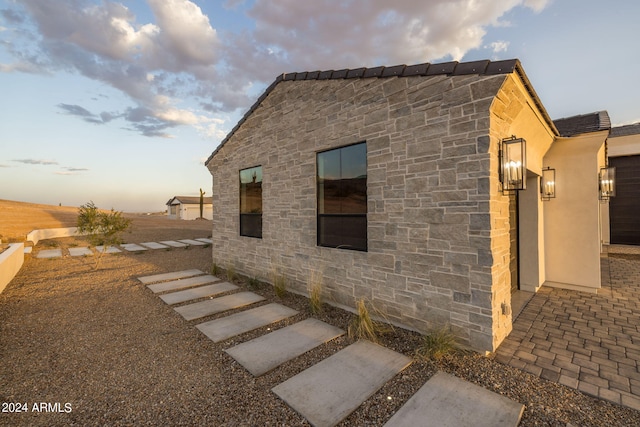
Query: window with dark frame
[[342, 197], [251, 202]]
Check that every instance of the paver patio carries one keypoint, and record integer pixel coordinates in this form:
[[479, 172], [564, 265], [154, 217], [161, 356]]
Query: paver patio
[[590, 342]]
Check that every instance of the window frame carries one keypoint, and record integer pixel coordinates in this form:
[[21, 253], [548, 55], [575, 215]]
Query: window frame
[[244, 217], [321, 239]]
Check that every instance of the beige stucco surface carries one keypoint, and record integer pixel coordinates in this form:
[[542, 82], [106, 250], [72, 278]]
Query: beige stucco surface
[[623, 146], [11, 261], [572, 219], [514, 112]]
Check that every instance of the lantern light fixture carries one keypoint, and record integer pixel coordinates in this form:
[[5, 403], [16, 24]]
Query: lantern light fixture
[[513, 164], [607, 183], [548, 184]]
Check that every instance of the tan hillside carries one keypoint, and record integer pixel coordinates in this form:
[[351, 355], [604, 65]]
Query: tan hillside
[[19, 218]]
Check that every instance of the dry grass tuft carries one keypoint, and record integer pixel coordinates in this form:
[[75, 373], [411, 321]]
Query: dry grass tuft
[[279, 283], [437, 345], [315, 292], [362, 326]]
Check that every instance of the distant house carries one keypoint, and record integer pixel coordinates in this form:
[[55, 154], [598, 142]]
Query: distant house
[[185, 207], [405, 186]]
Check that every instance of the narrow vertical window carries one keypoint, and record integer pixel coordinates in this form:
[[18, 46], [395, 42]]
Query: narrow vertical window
[[342, 197], [251, 202]]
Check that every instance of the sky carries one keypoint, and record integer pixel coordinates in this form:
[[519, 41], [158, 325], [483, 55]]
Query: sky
[[121, 102]]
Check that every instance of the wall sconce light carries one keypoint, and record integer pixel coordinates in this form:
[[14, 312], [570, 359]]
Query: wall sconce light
[[548, 184], [513, 164], [607, 183]]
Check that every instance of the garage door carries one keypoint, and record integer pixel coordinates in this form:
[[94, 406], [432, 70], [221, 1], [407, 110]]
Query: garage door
[[624, 208]]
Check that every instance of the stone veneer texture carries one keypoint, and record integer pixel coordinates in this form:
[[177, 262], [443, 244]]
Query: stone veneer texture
[[431, 189]]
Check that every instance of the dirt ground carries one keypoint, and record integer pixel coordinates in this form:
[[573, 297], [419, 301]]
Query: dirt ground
[[17, 219], [96, 347]]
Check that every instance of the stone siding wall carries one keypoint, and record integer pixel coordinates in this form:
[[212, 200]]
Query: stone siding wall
[[431, 189]]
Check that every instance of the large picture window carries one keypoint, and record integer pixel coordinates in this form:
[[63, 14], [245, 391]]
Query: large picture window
[[251, 202], [342, 197]]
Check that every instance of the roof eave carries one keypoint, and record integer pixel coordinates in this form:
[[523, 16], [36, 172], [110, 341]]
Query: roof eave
[[484, 67]]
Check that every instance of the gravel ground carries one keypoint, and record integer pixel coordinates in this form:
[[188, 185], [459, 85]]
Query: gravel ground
[[108, 351]]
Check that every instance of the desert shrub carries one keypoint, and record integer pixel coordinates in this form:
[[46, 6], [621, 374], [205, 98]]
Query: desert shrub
[[102, 228], [437, 344]]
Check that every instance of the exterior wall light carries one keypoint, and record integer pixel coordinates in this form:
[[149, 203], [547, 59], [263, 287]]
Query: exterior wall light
[[513, 164], [548, 184], [607, 183]]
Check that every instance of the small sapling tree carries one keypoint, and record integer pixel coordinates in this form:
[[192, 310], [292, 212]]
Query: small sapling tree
[[102, 228]]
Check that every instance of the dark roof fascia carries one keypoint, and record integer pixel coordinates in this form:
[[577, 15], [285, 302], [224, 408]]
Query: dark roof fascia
[[452, 68]]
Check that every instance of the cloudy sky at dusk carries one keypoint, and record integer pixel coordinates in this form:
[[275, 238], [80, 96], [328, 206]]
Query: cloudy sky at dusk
[[121, 102]]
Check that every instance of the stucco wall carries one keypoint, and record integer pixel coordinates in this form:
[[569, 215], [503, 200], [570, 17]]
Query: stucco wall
[[189, 212], [11, 261], [429, 261], [513, 112], [572, 219], [628, 145]]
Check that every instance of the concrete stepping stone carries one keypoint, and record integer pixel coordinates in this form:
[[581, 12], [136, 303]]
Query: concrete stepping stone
[[221, 329], [110, 249], [154, 245], [49, 253], [217, 305], [182, 283], [80, 252], [170, 276], [192, 242], [448, 401], [267, 352], [199, 292], [174, 244], [28, 249], [132, 247], [327, 392], [205, 240]]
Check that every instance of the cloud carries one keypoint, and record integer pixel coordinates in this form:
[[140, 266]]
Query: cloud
[[36, 162], [86, 115], [499, 46], [358, 33], [12, 16], [70, 171], [181, 56]]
